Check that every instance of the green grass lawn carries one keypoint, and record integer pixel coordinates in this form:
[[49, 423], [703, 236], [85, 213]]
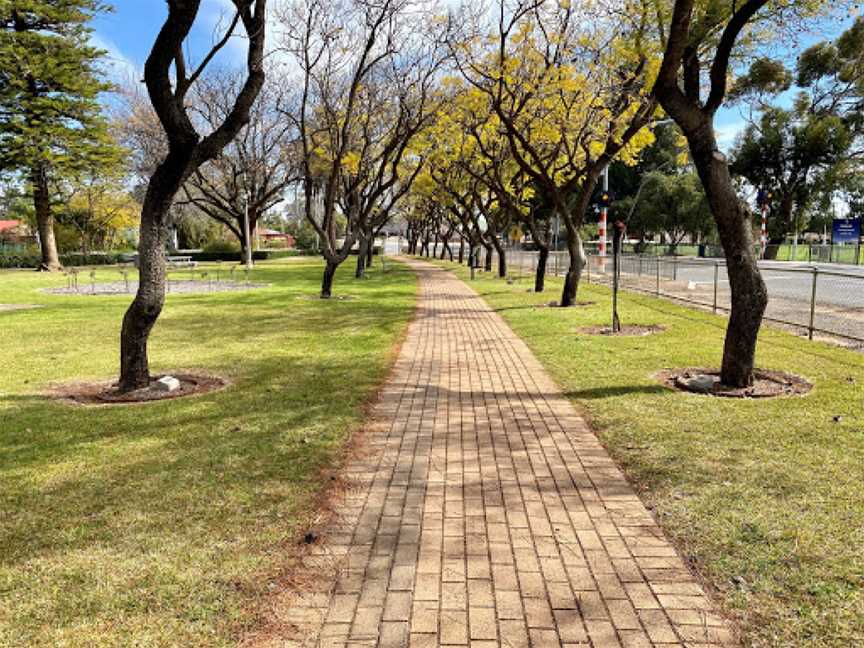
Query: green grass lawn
[[765, 497], [160, 524]]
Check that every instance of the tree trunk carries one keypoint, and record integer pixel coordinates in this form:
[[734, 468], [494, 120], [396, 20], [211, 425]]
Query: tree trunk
[[461, 250], [370, 251], [502, 257], [574, 272], [327, 282], [787, 207], [487, 266], [361, 258], [540, 274], [147, 305], [45, 221], [749, 294], [247, 240]]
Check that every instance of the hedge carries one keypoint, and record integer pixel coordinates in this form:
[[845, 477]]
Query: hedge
[[29, 260], [257, 255], [26, 260]]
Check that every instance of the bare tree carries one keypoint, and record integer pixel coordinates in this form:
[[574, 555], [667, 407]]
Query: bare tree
[[252, 173], [168, 83]]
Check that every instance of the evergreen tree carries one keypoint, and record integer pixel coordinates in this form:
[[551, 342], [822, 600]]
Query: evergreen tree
[[810, 151], [51, 123]]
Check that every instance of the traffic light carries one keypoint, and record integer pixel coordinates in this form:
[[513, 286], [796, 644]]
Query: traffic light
[[764, 197], [604, 199]]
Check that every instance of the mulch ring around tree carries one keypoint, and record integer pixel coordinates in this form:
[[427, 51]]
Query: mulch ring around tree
[[557, 304], [106, 393], [627, 330], [173, 286], [16, 307], [706, 382]]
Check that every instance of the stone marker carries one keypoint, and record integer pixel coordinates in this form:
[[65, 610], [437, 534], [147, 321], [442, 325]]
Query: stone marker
[[167, 384], [699, 383]]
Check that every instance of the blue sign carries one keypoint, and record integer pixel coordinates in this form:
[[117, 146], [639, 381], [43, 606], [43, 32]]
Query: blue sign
[[846, 230]]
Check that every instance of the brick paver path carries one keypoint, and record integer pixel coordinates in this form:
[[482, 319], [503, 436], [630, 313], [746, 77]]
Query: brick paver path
[[486, 512]]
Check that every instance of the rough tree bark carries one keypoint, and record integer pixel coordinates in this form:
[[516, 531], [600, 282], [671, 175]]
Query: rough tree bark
[[574, 272], [502, 257], [327, 282], [681, 63], [360, 271], [45, 221], [540, 272], [167, 83], [541, 240], [150, 298], [573, 221], [749, 295]]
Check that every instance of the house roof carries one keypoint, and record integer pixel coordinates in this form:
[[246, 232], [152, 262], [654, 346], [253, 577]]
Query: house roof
[[8, 224]]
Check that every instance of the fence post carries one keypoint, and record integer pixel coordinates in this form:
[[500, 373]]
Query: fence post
[[675, 268], [659, 261], [813, 304], [588, 266], [716, 273], [640, 265]]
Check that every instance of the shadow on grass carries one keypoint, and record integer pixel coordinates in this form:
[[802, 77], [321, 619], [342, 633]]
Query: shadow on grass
[[170, 466], [598, 393], [212, 464]]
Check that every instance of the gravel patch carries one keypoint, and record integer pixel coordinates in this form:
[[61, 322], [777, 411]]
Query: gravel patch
[[174, 286]]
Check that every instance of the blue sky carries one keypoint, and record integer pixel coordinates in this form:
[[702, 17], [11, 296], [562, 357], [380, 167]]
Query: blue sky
[[128, 33]]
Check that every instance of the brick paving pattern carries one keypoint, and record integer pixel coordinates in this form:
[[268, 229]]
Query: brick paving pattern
[[486, 513]]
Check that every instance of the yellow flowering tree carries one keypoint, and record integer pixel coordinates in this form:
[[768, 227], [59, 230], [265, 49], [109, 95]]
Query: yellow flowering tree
[[368, 70], [569, 86], [99, 211]]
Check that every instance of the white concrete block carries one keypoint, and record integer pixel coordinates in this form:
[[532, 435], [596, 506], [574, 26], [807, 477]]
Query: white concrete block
[[167, 384]]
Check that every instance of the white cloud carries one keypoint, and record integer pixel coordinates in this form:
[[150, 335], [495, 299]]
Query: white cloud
[[118, 67], [727, 133]]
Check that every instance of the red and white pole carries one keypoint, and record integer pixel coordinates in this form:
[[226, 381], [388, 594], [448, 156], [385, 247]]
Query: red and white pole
[[764, 238], [604, 216]]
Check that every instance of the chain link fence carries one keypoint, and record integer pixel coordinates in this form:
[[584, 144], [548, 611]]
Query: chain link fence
[[810, 299], [848, 254]]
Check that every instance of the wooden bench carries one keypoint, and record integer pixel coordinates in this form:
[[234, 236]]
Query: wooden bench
[[181, 262]]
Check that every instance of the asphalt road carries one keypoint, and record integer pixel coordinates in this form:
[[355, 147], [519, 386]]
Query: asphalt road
[[837, 285]]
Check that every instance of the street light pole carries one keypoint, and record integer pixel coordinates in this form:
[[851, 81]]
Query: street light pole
[[247, 234]]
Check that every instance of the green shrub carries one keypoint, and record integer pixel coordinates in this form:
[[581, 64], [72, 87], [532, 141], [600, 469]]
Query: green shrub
[[221, 246], [73, 259]]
